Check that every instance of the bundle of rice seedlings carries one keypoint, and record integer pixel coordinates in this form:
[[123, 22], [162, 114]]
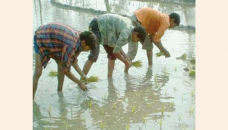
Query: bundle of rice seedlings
[[52, 73], [193, 61], [91, 79], [159, 54], [137, 63]]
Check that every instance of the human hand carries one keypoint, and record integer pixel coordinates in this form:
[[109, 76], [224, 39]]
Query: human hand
[[167, 55], [128, 64], [84, 79], [82, 86]]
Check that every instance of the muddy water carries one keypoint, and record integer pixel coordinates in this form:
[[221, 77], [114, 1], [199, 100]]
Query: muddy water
[[149, 98]]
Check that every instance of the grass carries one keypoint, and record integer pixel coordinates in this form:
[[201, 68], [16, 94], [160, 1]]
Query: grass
[[53, 73], [137, 63], [159, 54]]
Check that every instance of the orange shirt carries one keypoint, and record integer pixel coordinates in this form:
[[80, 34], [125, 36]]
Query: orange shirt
[[154, 22]]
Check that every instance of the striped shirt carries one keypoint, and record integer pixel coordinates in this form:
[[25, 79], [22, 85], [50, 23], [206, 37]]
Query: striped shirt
[[58, 41]]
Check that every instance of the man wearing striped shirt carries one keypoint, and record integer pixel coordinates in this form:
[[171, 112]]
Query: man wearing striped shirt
[[62, 43]]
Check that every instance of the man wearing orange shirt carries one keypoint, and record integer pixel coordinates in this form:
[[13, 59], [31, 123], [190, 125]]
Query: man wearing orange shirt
[[155, 23]]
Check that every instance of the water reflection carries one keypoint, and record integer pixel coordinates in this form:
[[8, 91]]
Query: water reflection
[[186, 9], [127, 101]]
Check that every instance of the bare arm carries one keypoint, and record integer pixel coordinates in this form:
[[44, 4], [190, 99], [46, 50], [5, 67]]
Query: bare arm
[[162, 49]]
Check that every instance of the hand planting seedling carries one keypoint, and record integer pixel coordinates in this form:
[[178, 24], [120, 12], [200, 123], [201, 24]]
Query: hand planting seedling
[[91, 79], [137, 63]]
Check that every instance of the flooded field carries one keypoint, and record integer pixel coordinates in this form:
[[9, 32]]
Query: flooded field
[[161, 97]]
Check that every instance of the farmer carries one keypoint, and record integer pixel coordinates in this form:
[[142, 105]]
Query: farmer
[[62, 43], [114, 31], [155, 23]]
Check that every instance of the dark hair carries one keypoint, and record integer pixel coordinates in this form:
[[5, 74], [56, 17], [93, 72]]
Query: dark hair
[[89, 39], [176, 17], [141, 32]]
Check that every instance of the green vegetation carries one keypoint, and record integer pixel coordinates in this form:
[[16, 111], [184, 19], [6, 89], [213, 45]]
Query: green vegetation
[[53, 73], [137, 63], [192, 73], [91, 79], [133, 109], [49, 112], [193, 61], [183, 57]]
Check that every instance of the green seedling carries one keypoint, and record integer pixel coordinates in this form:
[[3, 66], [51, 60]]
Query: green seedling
[[90, 103], [102, 125], [133, 109], [49, 112], [175, 69], [137, 63], [193, 61], [91, 79], [163, 109], [53, 73], [192, 73], [159, 54], [102, 111], [179, 118], [114, 106], [149, 105], [173, 104], [144, 119], [128, 127], [160, 123], [182, 57], [191, 110], [193, 93], [65, 124]]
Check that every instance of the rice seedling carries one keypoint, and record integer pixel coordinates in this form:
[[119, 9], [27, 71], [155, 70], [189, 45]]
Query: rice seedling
[[182, 57], [159, 54], [172, 104], [133, 109], [114, 106], [193, 61], [53, 73], [149, 105], [102, 125], [90, 103], [175, 69], [163, 109], [127, 127], [179, 118], [102, 111], [65, 124], [144, 120], [137, 63], [160, 123], [49, 112], [192, 73], [193, 93], [91, 79], [191, 110]]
